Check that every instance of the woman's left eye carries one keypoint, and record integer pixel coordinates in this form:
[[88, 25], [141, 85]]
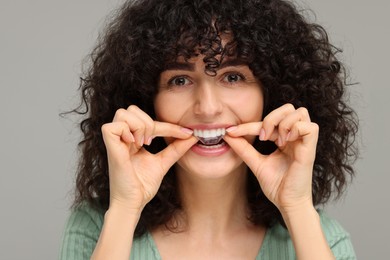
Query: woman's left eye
[[233, 77]]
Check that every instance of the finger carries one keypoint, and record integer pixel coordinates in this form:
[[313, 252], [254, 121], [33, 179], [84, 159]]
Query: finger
[[164, 129], [285, 126], [117, 138], [252, 128], [140, 124], [145, 129], [135, 124], [174, 151], [307, 134], [307, 131], [245, 150], [118, 131], [147, 121], [272, 120]]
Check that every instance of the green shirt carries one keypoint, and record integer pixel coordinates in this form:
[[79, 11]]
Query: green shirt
[[85, 223]]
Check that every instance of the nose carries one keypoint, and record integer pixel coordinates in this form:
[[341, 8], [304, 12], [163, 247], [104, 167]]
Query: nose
[[208, 102]]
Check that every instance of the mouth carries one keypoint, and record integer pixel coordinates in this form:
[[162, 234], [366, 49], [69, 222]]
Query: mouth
[[210, 137]]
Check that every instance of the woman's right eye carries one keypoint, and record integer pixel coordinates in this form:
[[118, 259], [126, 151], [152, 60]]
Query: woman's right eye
[[179, 81]]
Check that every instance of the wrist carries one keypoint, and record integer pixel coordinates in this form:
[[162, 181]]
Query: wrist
[[127, 212], [299, 211], [304, 226], [124, 207], [117, 233], [304, 206]]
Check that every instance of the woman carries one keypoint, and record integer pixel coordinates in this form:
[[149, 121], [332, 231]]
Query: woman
[[214, 129]]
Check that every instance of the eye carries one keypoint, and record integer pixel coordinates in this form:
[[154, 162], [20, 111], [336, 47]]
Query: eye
[[179, 81], [233, 77]]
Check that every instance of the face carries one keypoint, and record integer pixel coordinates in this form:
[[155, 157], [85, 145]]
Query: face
[[208, 105]]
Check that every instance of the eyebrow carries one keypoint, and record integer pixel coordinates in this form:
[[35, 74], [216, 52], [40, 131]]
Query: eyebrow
[[191, 67], [232, 63]]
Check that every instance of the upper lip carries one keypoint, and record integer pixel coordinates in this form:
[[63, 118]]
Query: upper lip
[[208, 126]]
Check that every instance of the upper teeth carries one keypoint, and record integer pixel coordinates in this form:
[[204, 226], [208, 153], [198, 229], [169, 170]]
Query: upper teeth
[[209, 133]]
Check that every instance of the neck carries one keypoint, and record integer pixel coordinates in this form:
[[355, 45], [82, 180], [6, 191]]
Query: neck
[[213, 206]]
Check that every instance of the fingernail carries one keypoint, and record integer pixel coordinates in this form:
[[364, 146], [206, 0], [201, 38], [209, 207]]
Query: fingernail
[[187, 130], [141, 143], [149, 140], [262, 134], [132, 138], [231, 129]]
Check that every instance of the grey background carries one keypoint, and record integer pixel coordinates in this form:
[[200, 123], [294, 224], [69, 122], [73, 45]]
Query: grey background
[[42, 47]]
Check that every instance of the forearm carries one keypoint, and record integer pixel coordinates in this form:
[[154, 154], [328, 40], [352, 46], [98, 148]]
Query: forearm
[[306, 233], [117, 233]]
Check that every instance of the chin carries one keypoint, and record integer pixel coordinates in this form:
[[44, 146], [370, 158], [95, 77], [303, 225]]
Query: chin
[[210, 167]]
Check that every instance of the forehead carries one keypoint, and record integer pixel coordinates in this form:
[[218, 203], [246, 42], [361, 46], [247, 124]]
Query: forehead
[[189, 64]]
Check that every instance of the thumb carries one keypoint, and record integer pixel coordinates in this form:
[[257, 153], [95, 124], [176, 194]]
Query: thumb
[[174, 151], [245, 150]]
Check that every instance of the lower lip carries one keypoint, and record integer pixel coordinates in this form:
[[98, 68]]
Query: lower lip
[[210, 151]]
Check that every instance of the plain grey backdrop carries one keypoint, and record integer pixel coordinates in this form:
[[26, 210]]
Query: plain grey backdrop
[[43, 44]]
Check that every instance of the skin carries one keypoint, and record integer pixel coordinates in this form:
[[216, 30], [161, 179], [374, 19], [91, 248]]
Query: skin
[[212, 188]]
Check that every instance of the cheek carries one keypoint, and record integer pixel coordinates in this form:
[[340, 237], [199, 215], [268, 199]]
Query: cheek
[[165, 106], [249, 105], [164, 112]]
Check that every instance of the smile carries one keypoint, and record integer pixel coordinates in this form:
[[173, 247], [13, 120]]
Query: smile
[[209, 137]]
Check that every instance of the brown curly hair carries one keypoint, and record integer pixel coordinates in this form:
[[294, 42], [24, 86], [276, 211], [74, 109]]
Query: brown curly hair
[[291, 57]]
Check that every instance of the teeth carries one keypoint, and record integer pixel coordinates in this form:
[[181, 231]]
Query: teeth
[[209, 133], [209, 136]]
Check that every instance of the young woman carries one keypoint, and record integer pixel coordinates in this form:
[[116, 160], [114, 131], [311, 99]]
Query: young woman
[[213, 130]]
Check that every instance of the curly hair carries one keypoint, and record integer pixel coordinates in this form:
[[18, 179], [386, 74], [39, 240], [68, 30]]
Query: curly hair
[[292, 57]]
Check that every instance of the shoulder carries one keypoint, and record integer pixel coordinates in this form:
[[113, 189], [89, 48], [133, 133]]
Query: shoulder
[[81, 232], [332, 228], [338, 238], [278, 242], [86, 216]]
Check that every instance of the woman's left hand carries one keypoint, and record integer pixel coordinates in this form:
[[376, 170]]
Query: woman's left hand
[[285, 176]]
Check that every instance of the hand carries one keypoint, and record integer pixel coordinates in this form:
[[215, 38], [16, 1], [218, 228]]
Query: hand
[[285, 176], [135, 174]]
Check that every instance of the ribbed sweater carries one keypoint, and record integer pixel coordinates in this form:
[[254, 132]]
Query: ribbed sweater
[[84, 224]]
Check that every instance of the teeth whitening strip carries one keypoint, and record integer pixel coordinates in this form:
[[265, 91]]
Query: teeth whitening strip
[[209, 137]]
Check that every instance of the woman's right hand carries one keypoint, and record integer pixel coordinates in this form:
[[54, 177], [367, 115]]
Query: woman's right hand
[[136, 174]]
